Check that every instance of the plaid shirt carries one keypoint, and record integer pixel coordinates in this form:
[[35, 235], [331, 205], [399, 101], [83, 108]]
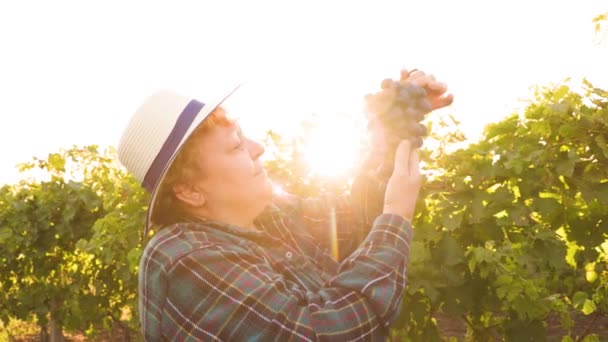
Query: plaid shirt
[[211, 281]]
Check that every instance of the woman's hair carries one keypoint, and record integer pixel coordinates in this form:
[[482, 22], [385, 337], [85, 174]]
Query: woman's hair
[[185, 169]]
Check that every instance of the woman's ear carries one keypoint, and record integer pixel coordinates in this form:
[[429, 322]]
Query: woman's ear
[[189, 194]]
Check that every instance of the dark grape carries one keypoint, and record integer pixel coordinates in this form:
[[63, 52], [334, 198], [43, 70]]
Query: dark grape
[[404, 95], [399, 107], [415, 90], [392, 115], [424, 105], [414, 113], [416, 142], [422, 130], [415, 129]]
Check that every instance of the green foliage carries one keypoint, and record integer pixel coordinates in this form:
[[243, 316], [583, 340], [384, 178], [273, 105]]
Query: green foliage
[[514, 227], [68, 241], [600, 20]]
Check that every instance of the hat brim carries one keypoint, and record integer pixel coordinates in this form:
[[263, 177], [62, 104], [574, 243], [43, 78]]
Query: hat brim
[[201, 116]]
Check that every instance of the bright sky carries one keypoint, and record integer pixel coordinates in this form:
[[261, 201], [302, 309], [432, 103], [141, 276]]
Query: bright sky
[[72, 72]]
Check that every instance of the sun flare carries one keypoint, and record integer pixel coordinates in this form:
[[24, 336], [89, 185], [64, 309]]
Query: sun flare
[[330, 143], [332, 149]]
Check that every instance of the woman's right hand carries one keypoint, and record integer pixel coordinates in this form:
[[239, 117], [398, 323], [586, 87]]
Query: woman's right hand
[[405, 182]]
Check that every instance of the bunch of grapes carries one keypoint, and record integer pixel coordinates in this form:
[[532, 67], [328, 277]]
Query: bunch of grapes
[[399, 107]]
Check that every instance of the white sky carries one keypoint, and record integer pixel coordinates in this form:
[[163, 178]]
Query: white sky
[[72, 72]]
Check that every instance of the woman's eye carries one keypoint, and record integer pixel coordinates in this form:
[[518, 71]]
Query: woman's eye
[[240, 146]]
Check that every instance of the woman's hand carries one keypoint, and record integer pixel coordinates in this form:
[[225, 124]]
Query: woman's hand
[[436, 92], [405, 182]]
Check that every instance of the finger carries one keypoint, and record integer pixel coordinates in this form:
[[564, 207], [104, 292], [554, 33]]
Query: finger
[[402, 157], [437, 87], [414, 163], [443, 101], [422, 80], [405, 74], [400, 129], [416, 73]]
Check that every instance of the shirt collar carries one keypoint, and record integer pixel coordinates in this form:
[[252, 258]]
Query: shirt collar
[[258, 235]]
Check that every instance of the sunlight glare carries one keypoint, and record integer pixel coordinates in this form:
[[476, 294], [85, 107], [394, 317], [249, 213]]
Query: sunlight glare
[[277, 189], [332, 149]]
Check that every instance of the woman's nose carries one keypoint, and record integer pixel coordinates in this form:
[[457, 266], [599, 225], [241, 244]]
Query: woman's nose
[[256, 149]]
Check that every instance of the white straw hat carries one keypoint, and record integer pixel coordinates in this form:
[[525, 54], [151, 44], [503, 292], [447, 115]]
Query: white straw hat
[[155, 134]]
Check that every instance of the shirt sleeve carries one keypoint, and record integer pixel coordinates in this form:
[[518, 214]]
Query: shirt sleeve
[[353, 213], [222, 293]]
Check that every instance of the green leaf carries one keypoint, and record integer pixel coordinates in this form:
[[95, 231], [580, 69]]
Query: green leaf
[[578, 299], [449, 252], [519, 215], [601, 143], [124, 274], [56, 162], [452, 220], [504, 279], [82, 245], [472, 264], [546, 194], [602, 193], [592, 338], [542, 128], [566, 167], [589, 307], [5, 234], [504, 287], [571, 254], [133, 258], [68, 213], [478, 210], [591, 275], [569, 131], [561, 92]]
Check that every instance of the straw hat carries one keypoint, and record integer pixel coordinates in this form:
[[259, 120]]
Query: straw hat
[[156, 133]]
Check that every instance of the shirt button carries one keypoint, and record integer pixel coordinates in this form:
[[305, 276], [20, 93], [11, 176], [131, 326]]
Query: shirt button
[[288, 255]]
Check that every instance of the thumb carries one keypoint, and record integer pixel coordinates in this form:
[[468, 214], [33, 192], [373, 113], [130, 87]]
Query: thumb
[[402, 157]]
